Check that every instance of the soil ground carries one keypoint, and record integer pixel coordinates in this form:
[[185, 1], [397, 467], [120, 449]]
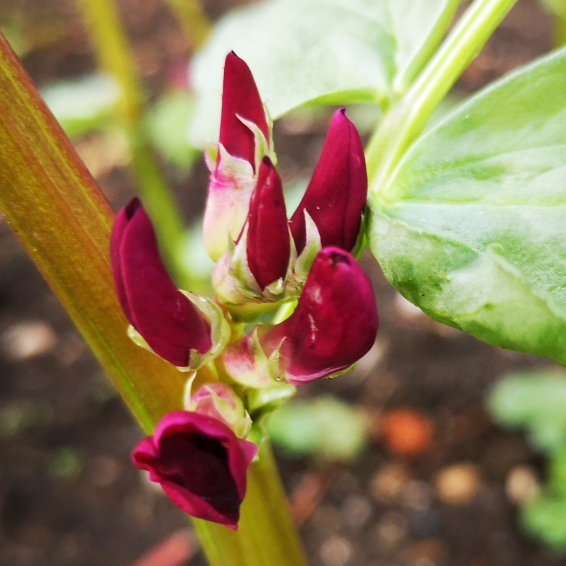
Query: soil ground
[[68, 493]]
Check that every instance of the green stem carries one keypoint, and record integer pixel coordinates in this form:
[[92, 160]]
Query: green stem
[[193, 20], [559, 32], [406, 120], [114, 57], [266, 535], [63, 221]]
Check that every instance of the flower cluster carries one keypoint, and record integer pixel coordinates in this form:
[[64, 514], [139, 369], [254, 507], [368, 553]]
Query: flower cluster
[[265, 262]]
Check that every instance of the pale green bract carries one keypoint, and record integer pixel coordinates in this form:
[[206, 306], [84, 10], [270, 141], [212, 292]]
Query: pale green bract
[[471, 226], [319, 51]]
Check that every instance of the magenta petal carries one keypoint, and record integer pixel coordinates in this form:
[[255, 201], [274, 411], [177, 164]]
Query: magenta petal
[[268, 247], [240, 97], [200, 464], [334, 324], [337, 192], [163, 316]]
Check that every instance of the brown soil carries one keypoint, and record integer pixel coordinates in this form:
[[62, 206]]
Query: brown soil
[[68, 494]]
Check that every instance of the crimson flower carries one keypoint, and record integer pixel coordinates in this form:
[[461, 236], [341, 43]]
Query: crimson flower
[[333, 326], [268, 246], [200, 464], [336, 195], [165, 318], [240, 101], [243, 140]]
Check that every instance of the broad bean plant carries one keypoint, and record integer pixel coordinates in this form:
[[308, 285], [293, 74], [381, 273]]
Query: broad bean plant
[[464, 213]]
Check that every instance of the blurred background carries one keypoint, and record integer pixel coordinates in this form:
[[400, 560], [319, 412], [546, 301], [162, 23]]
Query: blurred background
[[435, 450]]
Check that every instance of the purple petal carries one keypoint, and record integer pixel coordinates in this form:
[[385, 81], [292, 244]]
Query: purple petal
[[268, 247], [164, 317], [200, 464], [337, 192], [334, 324], [240, 97]]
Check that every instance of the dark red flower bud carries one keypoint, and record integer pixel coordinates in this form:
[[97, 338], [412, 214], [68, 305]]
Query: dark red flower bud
[[337, 192], [268, 244], [200, 464], [333, 326], [164, 317], [240, 99]]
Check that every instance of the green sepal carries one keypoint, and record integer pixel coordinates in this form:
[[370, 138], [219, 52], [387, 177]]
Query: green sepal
[[236, 286], [261, 402], [236, 417], [304, 261], [263, 146], [247, 364], [220, 331]]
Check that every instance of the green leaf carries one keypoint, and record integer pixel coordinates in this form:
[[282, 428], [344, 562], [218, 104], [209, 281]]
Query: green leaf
[[471, 226], [167, 122], [84, 104], [319, 51], [545, 518], [325, 427], [556, 7], [534, 400]]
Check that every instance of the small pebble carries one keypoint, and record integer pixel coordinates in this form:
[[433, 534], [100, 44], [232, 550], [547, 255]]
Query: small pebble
[[388, 483], [391, 529], [28, 339], [336, 551], [406, 432], [457, 485], [424, 523], [428, 552], [356, 511], [139, 508], [344, 483], [417, 495], [105, 470], [521, 484], [326, 519]]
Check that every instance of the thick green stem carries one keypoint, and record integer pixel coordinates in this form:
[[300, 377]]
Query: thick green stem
[[559, 32], [193, 20], [266, 534], [114, 57], [406, 120], [63, 221]]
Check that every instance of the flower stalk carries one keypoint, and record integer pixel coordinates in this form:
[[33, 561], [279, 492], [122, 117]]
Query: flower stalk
[[63, 221], [115, 58], [192, 19], [405, 120]]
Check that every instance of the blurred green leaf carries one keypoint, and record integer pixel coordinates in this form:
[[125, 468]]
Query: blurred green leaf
[[20, 416], [167, 123], [472, 224], [84, 104], [557, 7], [325, 427], [319, 51], [557, 472], [194, 261], [535, 400], [545, 517], [14, 31], [65, 463]]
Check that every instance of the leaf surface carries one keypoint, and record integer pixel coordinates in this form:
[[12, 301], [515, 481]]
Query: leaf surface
[[319, 51], [472, 224]]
